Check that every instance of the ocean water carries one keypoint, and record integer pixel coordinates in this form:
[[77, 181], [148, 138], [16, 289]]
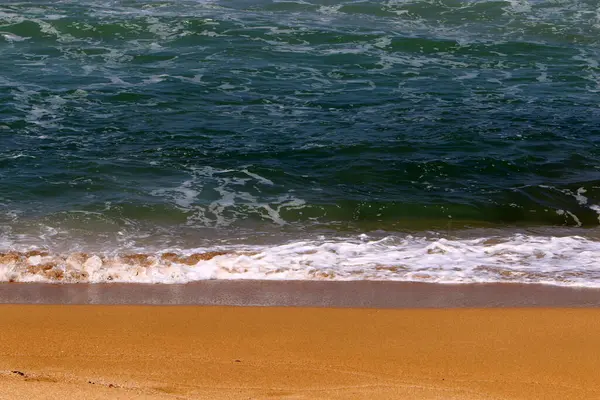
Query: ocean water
[[169, 141]]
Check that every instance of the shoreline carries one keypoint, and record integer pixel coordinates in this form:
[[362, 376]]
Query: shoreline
[[349, 294], [298, 340]]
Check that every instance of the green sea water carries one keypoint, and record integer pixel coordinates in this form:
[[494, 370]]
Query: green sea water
[[130, 123]]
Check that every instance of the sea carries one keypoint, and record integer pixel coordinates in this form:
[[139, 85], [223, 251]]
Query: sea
[[172, 141]]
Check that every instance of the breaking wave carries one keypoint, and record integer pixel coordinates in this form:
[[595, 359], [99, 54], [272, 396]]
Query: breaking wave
[[519, 258]]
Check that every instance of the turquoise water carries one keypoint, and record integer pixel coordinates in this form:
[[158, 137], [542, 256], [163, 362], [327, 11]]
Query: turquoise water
[[133, 125]]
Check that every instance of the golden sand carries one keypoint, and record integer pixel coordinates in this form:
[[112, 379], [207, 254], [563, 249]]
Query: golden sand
[[161, 352]]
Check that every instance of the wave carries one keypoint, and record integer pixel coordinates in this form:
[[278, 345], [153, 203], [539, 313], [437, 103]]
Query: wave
[[465, 21], [518, 258]]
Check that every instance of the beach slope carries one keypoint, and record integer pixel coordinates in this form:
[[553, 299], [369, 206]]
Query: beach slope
[[160, 352]]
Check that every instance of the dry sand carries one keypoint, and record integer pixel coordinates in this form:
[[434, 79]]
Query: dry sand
[[161, 352]]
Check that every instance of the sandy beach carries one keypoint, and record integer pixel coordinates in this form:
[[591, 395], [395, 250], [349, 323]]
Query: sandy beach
[[190, 352]]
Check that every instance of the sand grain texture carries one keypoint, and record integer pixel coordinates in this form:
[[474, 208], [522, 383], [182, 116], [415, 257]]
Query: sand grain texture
[[158, 352]]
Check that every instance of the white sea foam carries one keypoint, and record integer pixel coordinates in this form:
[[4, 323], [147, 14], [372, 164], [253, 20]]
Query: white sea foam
[[518, 6], [579, 196], [11, 37], [565, 261], [543, 77], [219, 197]]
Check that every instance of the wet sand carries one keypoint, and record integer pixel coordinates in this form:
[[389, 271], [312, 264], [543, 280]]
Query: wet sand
[[356, 294], [191, 352]]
